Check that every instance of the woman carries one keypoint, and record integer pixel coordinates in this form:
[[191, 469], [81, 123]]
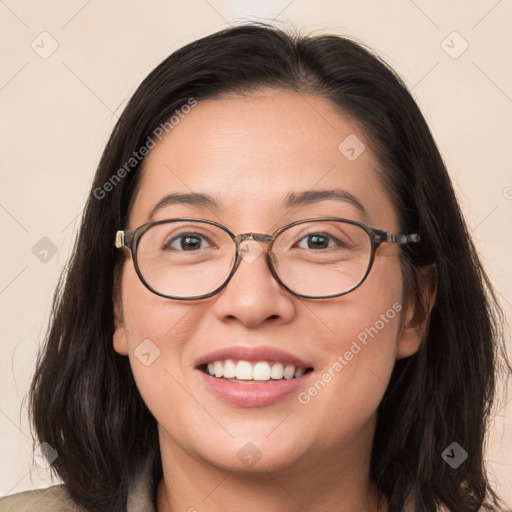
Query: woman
[[273, 303]]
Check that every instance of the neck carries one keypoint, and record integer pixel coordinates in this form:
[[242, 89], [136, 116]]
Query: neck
[[337, 481]]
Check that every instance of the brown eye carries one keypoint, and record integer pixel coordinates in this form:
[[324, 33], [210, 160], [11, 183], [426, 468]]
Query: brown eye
[[187, 242]]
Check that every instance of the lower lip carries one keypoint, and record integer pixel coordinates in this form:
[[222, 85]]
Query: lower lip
[[251, 394]]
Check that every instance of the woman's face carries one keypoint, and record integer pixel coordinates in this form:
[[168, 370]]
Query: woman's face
[[251, 153]]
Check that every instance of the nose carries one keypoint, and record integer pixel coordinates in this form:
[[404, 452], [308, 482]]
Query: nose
[[253, 295]]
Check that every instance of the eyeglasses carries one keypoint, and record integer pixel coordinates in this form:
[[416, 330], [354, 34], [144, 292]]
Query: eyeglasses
[[190, 259]]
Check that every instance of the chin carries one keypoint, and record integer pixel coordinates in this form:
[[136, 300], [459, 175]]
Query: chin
[[252, 454]]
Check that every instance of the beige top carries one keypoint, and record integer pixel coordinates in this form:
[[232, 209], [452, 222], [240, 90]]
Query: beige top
[[57, 499]]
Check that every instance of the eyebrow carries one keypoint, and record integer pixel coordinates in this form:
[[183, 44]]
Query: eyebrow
[[292, 200], [192, 199]]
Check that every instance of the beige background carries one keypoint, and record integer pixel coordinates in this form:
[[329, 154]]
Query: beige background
[[57, 111]]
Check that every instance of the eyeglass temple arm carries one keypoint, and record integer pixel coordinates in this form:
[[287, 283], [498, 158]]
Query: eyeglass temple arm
[[394, 238], [123, 239], [120, 240]]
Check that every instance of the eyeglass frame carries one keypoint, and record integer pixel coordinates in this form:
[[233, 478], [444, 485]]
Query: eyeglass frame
[[131, 239]]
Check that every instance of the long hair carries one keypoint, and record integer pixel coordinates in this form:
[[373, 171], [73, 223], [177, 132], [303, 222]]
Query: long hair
[[84, 401]]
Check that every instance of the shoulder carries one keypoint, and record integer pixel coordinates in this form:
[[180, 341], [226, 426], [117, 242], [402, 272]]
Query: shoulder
[[51, 499]]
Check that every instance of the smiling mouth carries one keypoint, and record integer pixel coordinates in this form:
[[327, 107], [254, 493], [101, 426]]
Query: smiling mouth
[[244, 371]]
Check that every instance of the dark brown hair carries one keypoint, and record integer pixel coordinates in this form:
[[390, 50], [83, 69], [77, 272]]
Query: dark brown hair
[[84, 401]]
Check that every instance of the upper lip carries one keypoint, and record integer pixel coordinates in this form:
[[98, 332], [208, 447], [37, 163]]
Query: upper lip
[[253, 354]]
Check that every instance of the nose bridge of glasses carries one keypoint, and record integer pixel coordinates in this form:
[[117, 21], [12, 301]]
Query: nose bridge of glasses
[[256, 237]]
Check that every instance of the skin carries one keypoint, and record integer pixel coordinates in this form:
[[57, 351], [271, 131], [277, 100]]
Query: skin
[[250, 152]]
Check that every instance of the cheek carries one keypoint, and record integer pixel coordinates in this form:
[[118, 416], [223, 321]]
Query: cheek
[[159, 338], [374, 319], [147, 315], [360, 352], [363, 343], [348, 388], [156, 332], [371, 312]]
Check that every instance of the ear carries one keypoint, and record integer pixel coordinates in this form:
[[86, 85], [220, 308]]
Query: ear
[[417, 312], [120, 338]]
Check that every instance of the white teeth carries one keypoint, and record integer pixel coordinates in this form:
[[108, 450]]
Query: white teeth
[[277, 371], [243, 370], [218, 368], [260, 371], [229, 369], [289, 372], [299, 372]]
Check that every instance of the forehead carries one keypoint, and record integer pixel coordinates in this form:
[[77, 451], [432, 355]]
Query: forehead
[[250, 152]]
